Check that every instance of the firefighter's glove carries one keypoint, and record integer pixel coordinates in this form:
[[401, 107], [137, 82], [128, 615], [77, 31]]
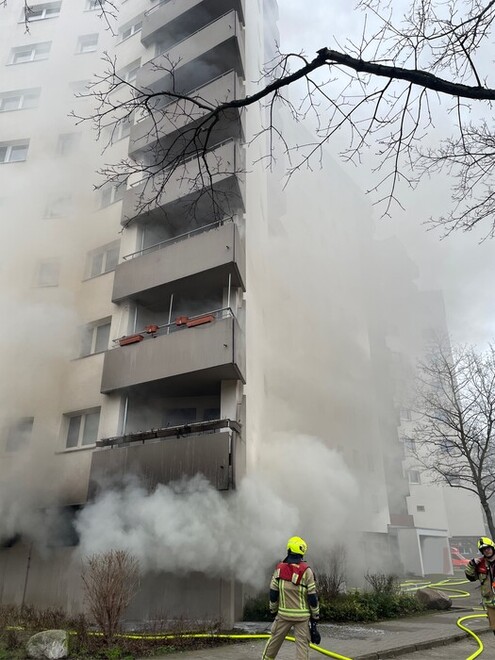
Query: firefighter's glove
[[474, 562], [314, 633]]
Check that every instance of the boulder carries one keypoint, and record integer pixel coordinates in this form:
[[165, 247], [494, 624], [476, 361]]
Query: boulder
[[433, 599], [52, 644]]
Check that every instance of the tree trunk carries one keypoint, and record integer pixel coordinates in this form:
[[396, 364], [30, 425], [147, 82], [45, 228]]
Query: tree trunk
[[489, 517]]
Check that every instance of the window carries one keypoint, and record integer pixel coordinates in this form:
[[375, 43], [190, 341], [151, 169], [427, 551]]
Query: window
[[13, 152], [413, 476], [120, 130], [21, 99], [129, 72], [19, 434], [80, 87], [58, 207], [405, 414], [420, 507], [111, 193], [67, 143], [87, 43], [41, 12], [102, 260], [179, 416], [211, 413], [48, 273], [82, 428], [32, 53], [410, 445], [95, 337], [93, 5], [130, 29], [62, 530]]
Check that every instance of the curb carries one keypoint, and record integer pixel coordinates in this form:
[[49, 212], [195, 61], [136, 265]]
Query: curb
[[420, 646]]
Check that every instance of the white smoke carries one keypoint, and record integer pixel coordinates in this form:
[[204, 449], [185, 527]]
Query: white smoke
[[302, 488]]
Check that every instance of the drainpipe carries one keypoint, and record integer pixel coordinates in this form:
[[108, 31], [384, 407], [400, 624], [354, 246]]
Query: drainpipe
[[28, 565]]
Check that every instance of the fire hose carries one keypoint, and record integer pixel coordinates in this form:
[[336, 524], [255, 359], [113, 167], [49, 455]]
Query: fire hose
[[455, 593], [406, 587]]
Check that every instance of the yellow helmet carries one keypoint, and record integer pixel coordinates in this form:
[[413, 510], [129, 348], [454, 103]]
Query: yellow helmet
[[485, 542], [297, 546]]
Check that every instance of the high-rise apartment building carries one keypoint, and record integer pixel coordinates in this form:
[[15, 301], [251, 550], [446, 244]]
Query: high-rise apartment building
[[167, 330], [137, 334]]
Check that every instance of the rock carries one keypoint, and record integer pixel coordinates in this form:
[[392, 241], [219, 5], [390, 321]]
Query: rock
[[52, 644], [433, 599]]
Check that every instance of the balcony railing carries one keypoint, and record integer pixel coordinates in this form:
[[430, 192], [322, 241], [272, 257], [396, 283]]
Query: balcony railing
[[197, 155], [181, 323], [157, 6], [185, 97], [192, 34], [177, 239], [195, 428]]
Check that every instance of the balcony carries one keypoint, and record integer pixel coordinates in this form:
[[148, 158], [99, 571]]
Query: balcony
[[182, 357], [165, 459], [220, 174], [183, 17], [169, 120], [211, 51], [208, 255]]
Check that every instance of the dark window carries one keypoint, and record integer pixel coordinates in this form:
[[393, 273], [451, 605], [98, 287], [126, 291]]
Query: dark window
[[19, 434], [211, 413], [180, 416]]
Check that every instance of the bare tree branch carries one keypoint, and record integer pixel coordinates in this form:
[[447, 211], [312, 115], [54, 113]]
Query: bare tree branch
[[383, 92]]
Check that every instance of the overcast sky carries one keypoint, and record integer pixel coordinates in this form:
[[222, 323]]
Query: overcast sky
[[462, 267]]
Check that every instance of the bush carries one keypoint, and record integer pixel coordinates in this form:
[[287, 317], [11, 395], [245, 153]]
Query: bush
[[368, 606], [110, 581], [332, 573], [382, 583], [256, 609]]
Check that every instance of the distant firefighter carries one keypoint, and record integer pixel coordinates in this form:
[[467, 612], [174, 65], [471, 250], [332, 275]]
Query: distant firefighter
[[483, 569], [294, 601]]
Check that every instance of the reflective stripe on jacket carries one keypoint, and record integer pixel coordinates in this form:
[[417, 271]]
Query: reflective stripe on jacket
[[293, 598]]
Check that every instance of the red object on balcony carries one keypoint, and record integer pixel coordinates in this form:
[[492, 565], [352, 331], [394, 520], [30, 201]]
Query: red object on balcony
[[152, 329], [200, 320], [131, 339], [181, 320]]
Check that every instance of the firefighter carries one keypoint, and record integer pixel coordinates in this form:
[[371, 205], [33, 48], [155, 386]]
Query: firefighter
[[483, 569], [294, 601]]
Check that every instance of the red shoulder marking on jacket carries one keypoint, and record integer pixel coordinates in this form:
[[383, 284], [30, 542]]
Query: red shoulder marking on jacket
[[291, 572]]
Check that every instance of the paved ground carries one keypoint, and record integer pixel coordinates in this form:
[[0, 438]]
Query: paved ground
[[413, 636], [369, 641]]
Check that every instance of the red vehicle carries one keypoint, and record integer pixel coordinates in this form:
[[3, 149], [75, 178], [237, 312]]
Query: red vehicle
[[458, 560]]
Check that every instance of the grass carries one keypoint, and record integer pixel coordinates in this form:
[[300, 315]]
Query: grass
[[17, 625]]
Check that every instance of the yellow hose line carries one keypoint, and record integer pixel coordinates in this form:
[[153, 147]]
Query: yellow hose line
[[326, 652], [473, 634], [94, 633]]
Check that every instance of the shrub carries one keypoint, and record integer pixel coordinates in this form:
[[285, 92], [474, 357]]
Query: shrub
[[383, 583], [332, 573], [368, 606], [256, 609], [110, 581]]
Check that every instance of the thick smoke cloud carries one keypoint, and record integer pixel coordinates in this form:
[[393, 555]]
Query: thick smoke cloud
[[181, 525]]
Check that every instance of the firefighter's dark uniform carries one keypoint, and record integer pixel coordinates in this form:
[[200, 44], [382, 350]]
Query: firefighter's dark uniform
[[294, 600]]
